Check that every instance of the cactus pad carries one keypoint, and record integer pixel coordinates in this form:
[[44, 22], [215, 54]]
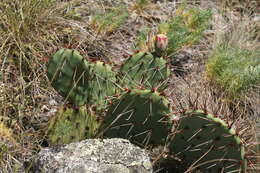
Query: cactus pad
[[101, 84], [207, 144], [144, 69], [71, 125], [68, 71], [140, 116], [78, 80]]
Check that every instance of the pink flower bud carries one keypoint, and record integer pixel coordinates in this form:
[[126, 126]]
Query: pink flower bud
[[161, 42]]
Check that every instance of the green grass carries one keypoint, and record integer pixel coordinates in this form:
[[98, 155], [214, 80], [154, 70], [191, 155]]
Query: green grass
[[104, 23], [186, 28], [142, 39], [140, 6], [234, 69]]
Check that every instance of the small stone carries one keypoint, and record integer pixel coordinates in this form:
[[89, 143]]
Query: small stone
[[53, 102]]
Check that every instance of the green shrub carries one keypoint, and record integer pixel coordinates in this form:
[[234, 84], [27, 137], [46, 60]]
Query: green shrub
[[234, 69]]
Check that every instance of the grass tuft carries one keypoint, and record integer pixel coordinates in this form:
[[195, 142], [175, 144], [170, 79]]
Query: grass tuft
[[234, 69], [20, 21], [140, 6], [186, 28], [104, 23]]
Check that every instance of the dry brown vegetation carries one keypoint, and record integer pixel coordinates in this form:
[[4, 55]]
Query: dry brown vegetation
[[31, 31]]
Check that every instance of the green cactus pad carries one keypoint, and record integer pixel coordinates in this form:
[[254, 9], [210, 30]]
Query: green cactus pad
[[101, 84], [144, 69], [71, 125], [67, 70], [79, 81], [206, 143], [140, 116]]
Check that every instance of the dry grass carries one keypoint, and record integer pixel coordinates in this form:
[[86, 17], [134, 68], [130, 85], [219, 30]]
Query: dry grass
[[31, 30]]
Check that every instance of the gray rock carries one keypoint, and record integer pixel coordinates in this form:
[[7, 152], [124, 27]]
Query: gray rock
[[93, 156]]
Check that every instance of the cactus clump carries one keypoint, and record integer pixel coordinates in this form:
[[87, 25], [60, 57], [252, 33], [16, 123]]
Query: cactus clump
[[71, 125], [207, 144], [140, 116], [144, 69], [79, 81]]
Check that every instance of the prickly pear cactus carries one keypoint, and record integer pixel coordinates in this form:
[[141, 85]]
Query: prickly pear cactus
[[71, 125], [140, 116], [68, 72], [102, 83], [79, 81], [144, 69], [206, 143]]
